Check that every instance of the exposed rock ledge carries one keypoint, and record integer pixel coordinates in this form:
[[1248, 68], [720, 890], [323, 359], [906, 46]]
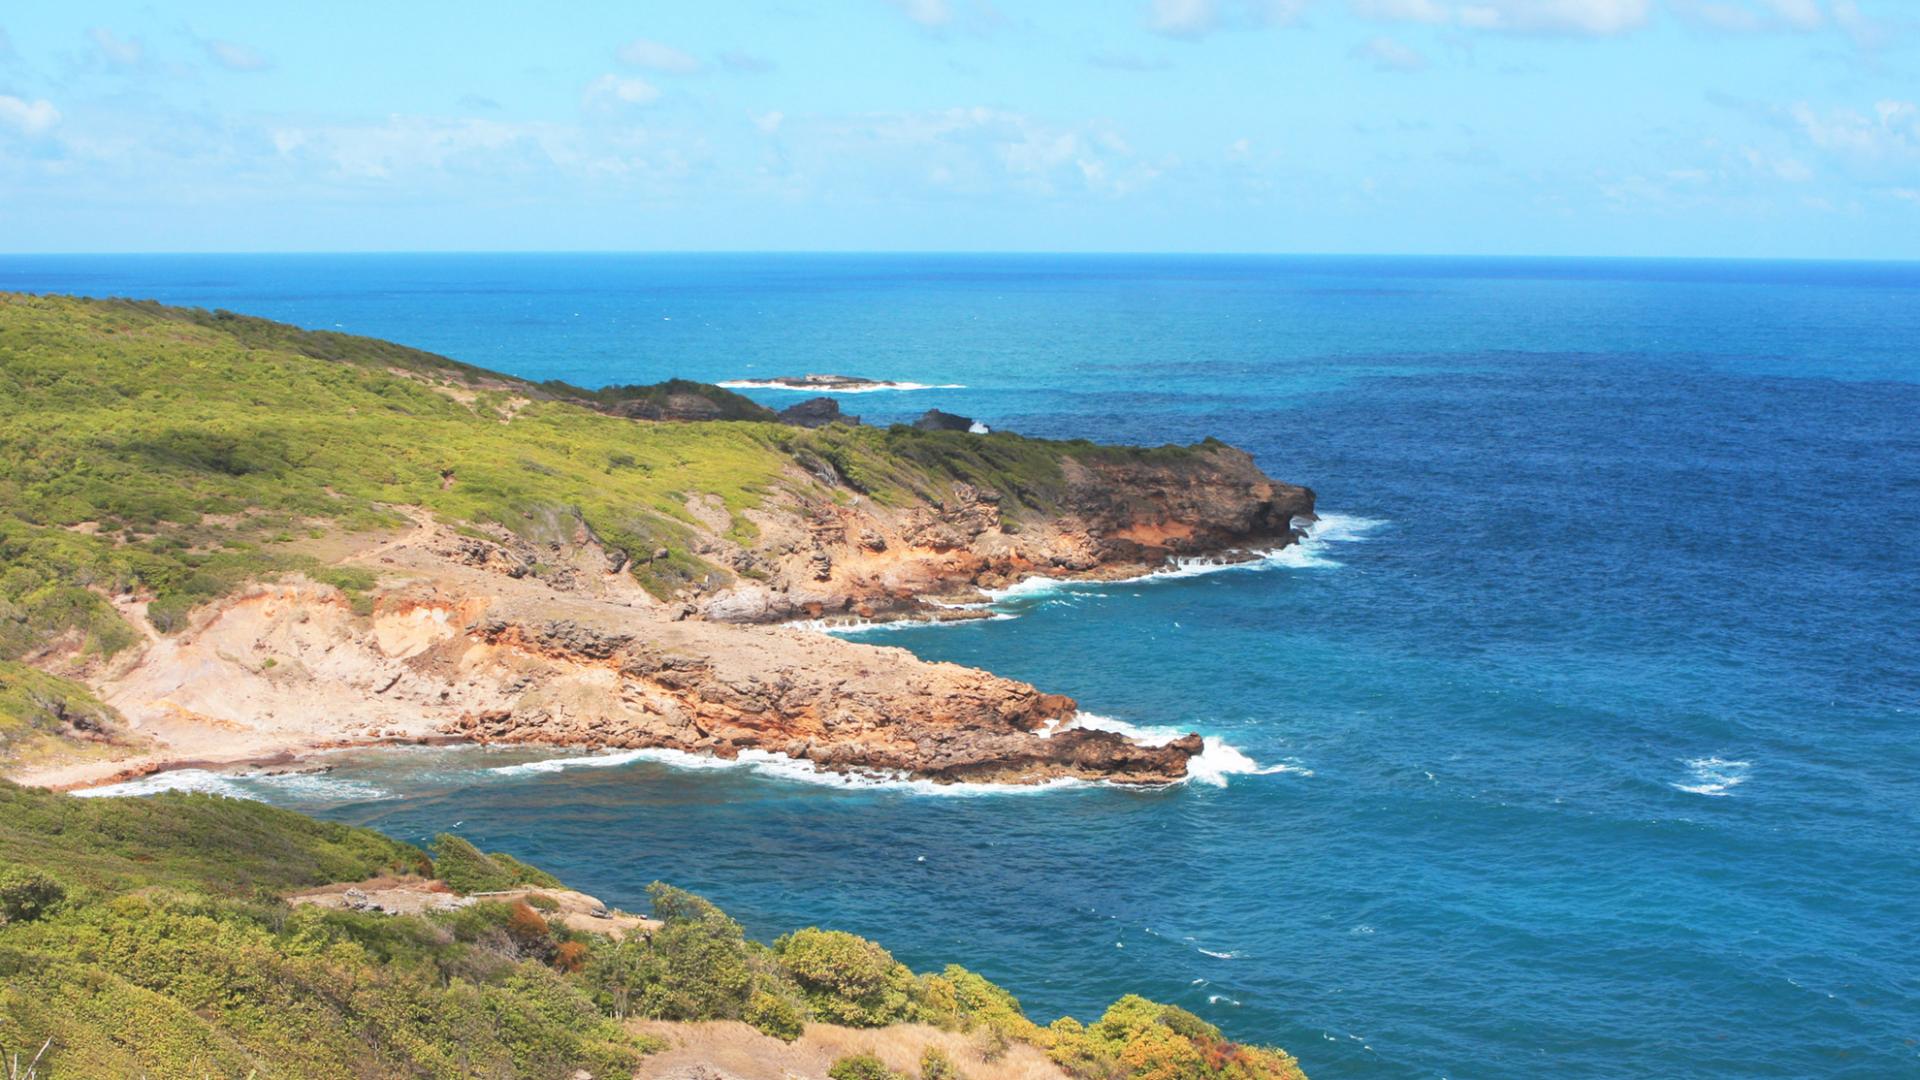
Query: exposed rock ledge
[[467, 640], [854, 558]]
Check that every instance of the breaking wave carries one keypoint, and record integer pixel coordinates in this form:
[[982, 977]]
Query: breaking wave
[[857, 388], [1217, 761], [778, 766], [1713, 776], [294, 786]]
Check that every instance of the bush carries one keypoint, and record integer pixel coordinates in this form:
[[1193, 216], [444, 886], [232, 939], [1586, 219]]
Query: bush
[[936, 1065], [469, 870], [861, 1067], [696, 966], [26, 895], [846, 979], [570, 957], [530, 932], [777, 1016]]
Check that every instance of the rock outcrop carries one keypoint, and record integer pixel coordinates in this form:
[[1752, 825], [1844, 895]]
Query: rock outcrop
[[935, 420], [1118, 517], [816, 412]]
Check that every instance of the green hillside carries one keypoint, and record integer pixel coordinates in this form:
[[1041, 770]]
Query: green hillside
[[179, 453], [149, 937]]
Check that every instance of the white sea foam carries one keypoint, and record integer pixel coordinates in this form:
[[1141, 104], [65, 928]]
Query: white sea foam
[[1310, 552], [1221, 955], [861, 626], [306, 786], [862, 388], [1217, 760], [172, 780], [323, 787], [1713, 776], [778, 766]]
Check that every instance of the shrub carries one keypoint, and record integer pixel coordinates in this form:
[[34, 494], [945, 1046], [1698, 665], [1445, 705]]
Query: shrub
[[977, 1002], [776, 1016], [570, 957], [529, 930], [936, 1065], [26, 895], [861, 1067], [469, 870], [696, 966], [846, 979]]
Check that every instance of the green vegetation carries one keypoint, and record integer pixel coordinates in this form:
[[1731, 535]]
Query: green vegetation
[[466, 869], [41, 715], [178, 454], [936, 1065], [665, 397], [148, 936], [862, 1067]]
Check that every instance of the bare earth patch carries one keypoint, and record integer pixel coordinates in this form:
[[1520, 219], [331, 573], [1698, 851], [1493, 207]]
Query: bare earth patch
[[730, 1050]]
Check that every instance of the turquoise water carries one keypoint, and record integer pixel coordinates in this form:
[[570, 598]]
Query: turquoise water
[[1586, 749]]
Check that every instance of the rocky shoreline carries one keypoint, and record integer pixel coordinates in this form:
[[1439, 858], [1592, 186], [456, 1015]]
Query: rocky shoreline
[[466, 644]]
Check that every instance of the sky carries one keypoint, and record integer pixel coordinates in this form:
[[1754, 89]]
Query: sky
[[1743, 128]]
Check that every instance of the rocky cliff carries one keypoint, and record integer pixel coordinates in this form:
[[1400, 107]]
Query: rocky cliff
[[252, 539]]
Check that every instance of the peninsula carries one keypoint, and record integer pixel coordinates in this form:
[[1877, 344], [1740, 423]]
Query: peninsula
[[230, 540]]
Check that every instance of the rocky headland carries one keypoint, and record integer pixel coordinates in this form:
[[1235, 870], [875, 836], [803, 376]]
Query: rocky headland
[[615, 592]]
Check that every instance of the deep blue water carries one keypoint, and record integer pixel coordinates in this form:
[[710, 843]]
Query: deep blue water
[[1600, 744]]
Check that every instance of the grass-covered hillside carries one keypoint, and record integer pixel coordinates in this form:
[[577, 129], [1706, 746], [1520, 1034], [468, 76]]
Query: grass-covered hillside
[[148, 937], [177, 453]]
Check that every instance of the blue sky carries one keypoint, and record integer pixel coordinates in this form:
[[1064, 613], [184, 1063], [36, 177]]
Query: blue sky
[[1629, 127]]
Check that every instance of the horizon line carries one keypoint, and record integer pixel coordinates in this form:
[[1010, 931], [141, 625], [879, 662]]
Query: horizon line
[[975, 253]]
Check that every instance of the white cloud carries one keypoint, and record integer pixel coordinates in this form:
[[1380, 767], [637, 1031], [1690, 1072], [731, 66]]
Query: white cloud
[[236, 57], [1891, 132], [1183, 18], [1420, 11], [617, 91], [655, 56], [929, 13], [119, 51], [1906, 194], [1597, 18], [966, 152], [1799, 14], [28, 117], [1751, 16], [1387, 54], [769, 122], [1194, 19]]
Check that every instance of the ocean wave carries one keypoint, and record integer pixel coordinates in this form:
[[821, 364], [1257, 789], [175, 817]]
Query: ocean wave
[[862, 626], [212, 783], [1310, 552], [864, 388], [322, 787], [298, 786], [1713, 776], [1217, 760], [777, 766]]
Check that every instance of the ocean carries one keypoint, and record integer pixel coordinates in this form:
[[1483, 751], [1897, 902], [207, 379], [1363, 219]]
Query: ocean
[[1579, 742]]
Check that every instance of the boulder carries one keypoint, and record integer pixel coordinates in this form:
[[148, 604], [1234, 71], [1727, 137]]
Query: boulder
[[816, 412], [935, 420]]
